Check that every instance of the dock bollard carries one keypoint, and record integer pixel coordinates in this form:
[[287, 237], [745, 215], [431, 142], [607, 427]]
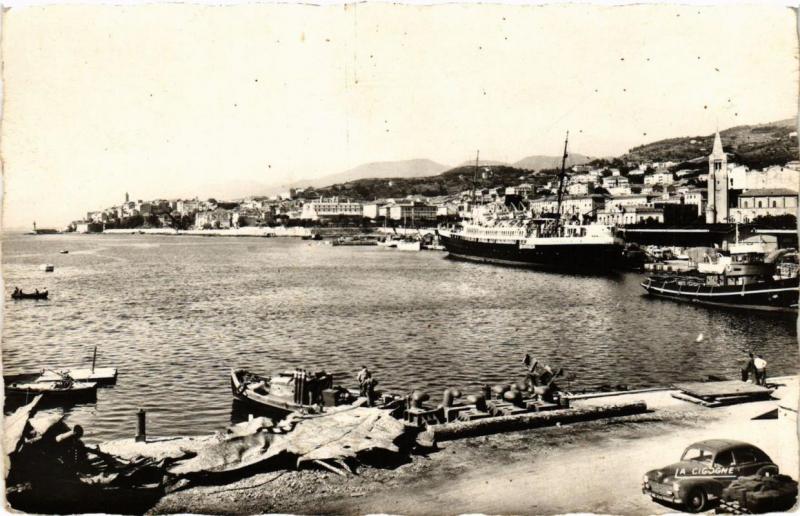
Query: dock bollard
[[141, 428]]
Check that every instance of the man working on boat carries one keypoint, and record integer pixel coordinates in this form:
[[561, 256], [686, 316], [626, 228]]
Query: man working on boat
[[761, 370], [748, 369], [362, 377]]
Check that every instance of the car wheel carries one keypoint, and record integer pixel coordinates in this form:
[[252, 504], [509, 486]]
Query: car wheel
[[697, 500]]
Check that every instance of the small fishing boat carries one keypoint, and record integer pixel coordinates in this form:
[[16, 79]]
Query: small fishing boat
[[354, 241], [48, 267], [409, 245], [388, 242], [284, 392], [298, 391], [64, 390], [64, 251], [99, 375], [29, 295]]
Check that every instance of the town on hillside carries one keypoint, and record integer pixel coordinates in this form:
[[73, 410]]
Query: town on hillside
[[615, 193]]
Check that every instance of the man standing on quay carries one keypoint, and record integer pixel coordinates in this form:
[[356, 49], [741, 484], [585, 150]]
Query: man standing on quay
[[761, 370]]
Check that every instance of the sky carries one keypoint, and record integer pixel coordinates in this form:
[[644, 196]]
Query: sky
[[171, 100]]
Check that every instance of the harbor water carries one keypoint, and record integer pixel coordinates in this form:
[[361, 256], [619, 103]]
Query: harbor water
[[175, 314]]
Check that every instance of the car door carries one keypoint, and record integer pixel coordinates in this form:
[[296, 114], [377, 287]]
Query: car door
[[724, 469], [747, 462]]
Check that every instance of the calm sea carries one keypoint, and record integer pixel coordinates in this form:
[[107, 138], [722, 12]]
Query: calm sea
[[174, 314]]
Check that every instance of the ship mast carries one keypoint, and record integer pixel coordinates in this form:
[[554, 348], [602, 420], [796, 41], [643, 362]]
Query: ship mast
[[561, 175], [475, 178]]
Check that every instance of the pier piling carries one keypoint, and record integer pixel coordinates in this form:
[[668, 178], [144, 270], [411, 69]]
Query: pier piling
[[141, 429]]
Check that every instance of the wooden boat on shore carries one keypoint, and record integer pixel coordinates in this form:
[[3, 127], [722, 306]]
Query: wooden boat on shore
[[29, 295]]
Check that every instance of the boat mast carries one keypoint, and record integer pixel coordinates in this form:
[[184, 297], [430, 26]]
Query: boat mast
[[475, 178], [561, 175]]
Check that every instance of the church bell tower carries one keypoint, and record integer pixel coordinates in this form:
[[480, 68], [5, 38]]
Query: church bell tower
[[717, 209]]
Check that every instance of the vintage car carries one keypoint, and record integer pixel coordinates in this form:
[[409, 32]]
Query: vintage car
[[705, 469]]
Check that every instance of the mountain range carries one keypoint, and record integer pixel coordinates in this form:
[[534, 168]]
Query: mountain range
[[757, 146]]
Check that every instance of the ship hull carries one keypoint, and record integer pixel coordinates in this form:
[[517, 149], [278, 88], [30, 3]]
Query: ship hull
[[600, 257], [779, 295]]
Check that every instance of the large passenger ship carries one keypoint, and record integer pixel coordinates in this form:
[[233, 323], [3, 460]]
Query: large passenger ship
[[507, 237]]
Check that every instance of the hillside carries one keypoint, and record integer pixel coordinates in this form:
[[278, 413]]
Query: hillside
[[384, 169], [375, 170], [484, 163], [756, 146], [545, 162], [448, 183]]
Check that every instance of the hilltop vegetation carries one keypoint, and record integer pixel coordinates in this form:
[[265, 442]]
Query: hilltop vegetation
[[448, 183], [756, 146]]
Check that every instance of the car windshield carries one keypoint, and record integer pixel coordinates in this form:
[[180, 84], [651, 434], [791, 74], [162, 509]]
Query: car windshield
[[697, 455]]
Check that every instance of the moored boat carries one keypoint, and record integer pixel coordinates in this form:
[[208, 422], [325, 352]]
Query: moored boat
[[99, 375], [743, 279], [388, 242], [511, 236], [29, 295], [539, 243], [774, 295], [299, 390], [60, 391], [409, 245], [285, 392]]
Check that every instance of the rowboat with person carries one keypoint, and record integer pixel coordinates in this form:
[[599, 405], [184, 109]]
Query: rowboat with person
[[19, 294]]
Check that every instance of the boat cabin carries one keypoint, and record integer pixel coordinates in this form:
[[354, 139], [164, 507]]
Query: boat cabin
[[299, 386], [741, 269]]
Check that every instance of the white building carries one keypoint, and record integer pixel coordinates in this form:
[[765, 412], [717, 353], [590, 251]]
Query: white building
[[626, 201], [372, 210], [630, 215], [737, 177], [580, 188], [331, 207], [619, 190], [659, 178], [412, 212], [742, 178], [615, 181], [571, 205]]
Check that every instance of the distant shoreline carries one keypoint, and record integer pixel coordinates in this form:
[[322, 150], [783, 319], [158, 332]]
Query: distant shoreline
[[264, 232]]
